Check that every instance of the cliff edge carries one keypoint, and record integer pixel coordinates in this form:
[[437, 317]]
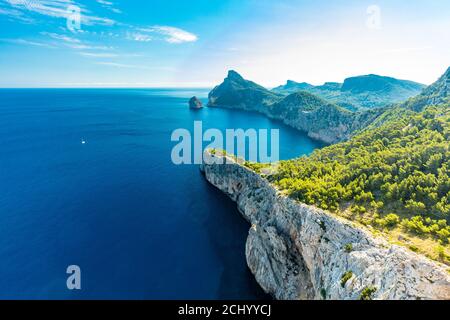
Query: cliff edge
[[297, 251]]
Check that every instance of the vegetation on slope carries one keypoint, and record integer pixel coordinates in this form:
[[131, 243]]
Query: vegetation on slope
[[395, 178], [435, 94], [393, 172]]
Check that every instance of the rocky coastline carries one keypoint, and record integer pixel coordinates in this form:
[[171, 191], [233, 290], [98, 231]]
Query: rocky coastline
[[297, 251]]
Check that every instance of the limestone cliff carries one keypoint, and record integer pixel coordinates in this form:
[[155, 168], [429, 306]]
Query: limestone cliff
[[297, 251]]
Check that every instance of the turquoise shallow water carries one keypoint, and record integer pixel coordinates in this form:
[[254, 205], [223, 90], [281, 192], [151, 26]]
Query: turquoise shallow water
[[138, 226]]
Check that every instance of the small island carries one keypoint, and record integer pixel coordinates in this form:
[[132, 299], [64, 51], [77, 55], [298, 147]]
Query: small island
[[195, 103]]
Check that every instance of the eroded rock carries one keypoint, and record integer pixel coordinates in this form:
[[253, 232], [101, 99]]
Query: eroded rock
[[297, 251]]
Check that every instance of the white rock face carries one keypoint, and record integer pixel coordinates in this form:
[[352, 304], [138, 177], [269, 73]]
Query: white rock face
[[297, 251]]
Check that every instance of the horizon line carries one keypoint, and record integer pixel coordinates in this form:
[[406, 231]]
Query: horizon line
[[112, 87]]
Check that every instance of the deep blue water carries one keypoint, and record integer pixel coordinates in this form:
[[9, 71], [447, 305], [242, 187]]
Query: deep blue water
[[137, 225]]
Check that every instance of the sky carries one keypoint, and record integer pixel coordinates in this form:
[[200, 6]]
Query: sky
[[179, 43]]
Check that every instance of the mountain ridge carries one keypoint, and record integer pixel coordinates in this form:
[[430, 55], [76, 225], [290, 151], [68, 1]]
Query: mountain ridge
[[359, 92], [320, 118]]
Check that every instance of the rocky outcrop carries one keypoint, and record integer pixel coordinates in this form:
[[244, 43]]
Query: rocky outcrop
[[297, 251], [319, 119], [195, 103], [236, 92]]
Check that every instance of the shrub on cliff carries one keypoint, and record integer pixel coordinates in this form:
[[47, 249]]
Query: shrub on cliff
[[367, 293], [345, 277]]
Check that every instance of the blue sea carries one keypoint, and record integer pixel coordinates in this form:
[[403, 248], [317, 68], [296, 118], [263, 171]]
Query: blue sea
[[86, 179]]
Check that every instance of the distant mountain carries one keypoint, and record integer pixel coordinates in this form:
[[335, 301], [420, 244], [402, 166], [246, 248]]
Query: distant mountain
[[362, 92], [321, 119], [375, 83], [330, 86], [436, 94], [292, 86]]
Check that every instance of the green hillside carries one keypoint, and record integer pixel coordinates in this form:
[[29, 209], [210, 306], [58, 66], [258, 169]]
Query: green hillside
[[394, 177]]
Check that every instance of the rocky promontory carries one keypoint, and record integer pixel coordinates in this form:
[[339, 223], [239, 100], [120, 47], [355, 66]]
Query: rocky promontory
[[301, 110], [297, 251]]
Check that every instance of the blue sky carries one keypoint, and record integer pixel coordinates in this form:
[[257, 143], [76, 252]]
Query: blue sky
[[131, 43]]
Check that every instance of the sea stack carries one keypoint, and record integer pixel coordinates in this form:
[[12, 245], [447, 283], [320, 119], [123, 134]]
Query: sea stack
[[195, 103]]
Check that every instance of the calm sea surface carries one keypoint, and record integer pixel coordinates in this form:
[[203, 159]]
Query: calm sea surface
[[138, 226]]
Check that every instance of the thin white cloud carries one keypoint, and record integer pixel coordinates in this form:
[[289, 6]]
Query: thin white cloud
[[99, 54], [61, 37], [120, 65], [81, 46], [104, 2], [137, 36], [58, 9], [15, 14], [28, 42], [86, 49], [77, 44], [171, 34], [133, 66], [64, 41], [109, 5]]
